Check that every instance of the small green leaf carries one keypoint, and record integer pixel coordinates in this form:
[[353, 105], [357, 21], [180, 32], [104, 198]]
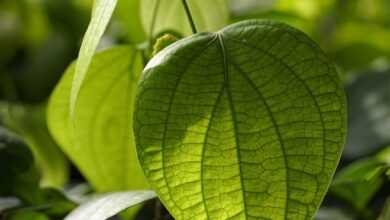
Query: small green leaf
[[245, 123], [108, 205], [170, 15], [101, 15], [384, 155], [358, 182], [100, 140]]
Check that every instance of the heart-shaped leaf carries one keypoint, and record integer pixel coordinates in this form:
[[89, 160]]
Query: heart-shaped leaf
[[245, 123]]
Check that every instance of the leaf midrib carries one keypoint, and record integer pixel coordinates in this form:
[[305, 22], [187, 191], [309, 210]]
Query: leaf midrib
[[233, 115], [180, 77]]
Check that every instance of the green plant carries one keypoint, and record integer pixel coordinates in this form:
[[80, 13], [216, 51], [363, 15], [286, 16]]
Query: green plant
[[218, 114], [248, 122]]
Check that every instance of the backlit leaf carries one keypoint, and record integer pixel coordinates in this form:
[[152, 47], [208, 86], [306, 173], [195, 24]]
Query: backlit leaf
[[101, 15], [245, 123], [100, 140]]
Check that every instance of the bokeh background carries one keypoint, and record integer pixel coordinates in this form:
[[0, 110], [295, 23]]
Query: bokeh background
[[40, 38]]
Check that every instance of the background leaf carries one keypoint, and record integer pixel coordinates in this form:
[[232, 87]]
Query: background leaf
[[29, 121], [100, 142], [128, 14], [358, 182], [108, 205], [101, 15], [208, 15], [248, 122], [15, 160]]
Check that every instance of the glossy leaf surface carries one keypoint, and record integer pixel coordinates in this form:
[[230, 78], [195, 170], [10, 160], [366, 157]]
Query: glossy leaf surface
[[245, 123]]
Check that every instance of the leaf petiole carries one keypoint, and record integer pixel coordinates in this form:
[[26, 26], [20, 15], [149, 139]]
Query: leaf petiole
[[190, 19]]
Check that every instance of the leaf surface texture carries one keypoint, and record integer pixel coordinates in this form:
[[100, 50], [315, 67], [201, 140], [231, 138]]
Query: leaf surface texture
[[100, 139], [245, 123]]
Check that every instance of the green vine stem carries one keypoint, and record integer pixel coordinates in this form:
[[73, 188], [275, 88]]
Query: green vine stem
[[190, 19]]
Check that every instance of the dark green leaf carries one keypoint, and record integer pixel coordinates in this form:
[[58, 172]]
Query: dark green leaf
[[30, 123], [245, 123], [15, 161], [358, 182], [385, 215]]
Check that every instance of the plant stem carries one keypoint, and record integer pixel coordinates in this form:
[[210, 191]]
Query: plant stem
[[154, 18], [188, 12]]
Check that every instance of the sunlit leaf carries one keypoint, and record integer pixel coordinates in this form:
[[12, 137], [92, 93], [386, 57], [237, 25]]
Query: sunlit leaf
[[170, 15], [384, 155], [245, 123], [100, 140], [101, 15], [106, 206], [128, 14]]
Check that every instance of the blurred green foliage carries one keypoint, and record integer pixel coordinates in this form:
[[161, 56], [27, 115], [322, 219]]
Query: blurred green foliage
[[40, 38]]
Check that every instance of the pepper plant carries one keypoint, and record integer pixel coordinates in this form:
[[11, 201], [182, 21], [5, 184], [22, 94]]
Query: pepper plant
[[239, 121]]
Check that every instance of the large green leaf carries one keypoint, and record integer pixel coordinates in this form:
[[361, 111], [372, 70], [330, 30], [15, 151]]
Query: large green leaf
[[170, 15], [245, 123], [100, 139], [101, 15]]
